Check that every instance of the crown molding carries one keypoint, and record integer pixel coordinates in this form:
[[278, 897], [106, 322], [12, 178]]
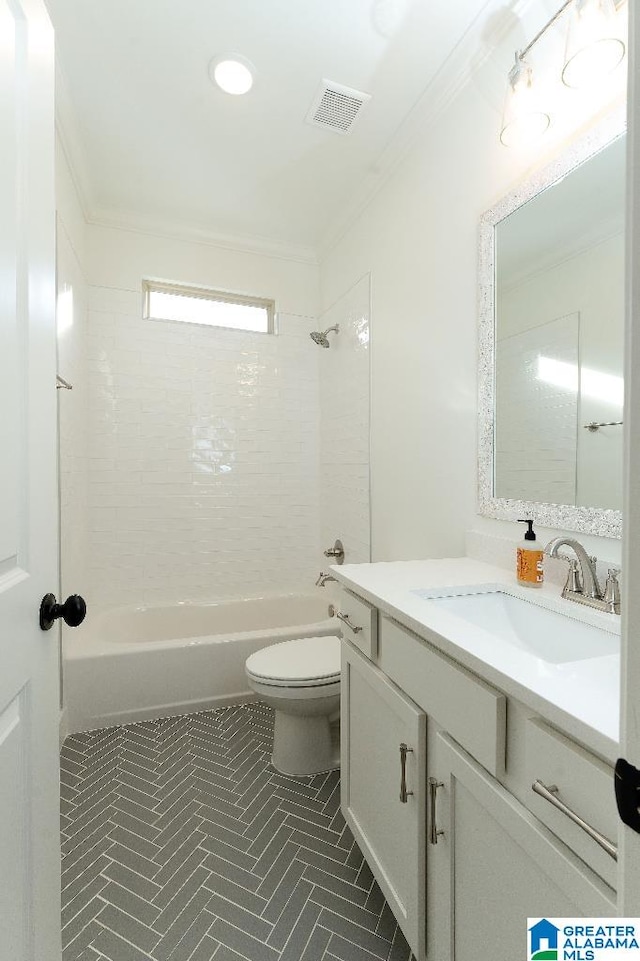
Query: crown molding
[[241, 243], [451, 78]]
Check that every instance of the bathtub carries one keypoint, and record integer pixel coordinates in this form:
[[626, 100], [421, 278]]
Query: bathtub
[[137, 663]]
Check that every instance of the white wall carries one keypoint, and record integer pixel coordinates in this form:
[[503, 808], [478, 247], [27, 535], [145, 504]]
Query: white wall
[[118, 259], [203, 479], [418, 238], [344, 425]]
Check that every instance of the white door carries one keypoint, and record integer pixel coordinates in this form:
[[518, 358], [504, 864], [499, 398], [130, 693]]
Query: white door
[[29, 797], [629, 841]]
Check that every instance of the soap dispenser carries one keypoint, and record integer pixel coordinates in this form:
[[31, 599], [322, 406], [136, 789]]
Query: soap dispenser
[[529, 569]]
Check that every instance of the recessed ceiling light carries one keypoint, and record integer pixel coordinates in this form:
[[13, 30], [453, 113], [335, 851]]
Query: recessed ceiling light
[[232, 73]]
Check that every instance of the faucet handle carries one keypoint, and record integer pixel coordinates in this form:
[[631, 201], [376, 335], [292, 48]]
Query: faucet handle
[[612, 591], [574, 581], [573, 584]]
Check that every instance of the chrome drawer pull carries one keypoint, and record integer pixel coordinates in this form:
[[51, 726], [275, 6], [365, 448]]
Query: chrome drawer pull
[[550, 794], [434, 834], [345, 620], [404, 794]]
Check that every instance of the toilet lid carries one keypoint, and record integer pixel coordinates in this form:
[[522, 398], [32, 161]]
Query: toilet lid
[[302, 661]]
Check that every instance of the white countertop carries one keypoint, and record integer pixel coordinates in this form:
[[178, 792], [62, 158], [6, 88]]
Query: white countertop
[[581, 698]]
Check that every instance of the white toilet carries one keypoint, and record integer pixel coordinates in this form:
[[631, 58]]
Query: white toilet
[[300, 680]]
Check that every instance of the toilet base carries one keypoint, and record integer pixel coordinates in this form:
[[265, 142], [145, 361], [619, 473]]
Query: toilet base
[[306, 725], [304, 744]]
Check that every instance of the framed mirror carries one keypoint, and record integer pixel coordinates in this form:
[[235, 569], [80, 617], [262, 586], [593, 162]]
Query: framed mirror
[[551, 333]]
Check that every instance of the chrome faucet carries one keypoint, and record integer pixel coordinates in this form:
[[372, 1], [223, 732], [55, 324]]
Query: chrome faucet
[[586, 582], [322, 580], [582, 585]]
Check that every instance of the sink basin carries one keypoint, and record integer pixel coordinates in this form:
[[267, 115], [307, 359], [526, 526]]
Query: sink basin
[[524, 625]]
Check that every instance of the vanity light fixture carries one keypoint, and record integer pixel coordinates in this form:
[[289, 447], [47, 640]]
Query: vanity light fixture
[[232, 74], [593, 50]]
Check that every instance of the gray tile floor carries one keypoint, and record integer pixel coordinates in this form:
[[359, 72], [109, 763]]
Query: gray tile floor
[[181, 843]]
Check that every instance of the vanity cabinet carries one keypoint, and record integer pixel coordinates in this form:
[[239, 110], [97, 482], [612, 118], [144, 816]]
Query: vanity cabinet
[[584, 783], [470, 851], [494, 864], [383, 763]]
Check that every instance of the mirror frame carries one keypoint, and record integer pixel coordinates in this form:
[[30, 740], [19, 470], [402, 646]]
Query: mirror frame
[[603, 522]]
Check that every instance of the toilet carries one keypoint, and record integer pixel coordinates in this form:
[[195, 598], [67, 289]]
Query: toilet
[[300, 680]]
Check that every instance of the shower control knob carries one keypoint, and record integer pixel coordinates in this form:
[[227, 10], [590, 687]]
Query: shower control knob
[[337, 552], [72, 612]]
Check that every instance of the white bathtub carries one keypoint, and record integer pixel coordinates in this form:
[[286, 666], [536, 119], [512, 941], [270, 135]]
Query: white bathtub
[[133, 664]]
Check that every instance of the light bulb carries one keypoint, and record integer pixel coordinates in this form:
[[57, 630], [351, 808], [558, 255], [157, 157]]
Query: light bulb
[[524, 121], [231, 74], [593, 50]]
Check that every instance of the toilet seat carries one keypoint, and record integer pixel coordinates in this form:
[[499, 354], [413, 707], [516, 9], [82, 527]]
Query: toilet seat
[[304, 662]]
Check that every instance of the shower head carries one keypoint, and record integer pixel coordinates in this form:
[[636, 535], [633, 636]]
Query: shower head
[[320, 337]]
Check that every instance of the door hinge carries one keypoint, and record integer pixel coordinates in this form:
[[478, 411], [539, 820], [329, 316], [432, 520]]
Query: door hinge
[[627, 784]]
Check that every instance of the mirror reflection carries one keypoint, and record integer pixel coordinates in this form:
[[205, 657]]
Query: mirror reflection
[[559, 340]]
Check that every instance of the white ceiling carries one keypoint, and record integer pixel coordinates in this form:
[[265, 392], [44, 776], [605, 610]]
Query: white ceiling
[[161, 146]]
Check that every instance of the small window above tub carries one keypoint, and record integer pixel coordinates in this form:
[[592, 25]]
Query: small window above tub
[[209, 308]]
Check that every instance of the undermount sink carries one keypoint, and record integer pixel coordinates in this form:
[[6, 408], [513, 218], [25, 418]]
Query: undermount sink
[[527, 626]]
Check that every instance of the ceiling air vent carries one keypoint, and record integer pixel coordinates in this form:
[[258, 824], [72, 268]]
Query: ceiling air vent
[[336, 107]]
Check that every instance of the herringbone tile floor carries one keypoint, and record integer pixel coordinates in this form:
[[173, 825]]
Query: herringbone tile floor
[[181, 843]]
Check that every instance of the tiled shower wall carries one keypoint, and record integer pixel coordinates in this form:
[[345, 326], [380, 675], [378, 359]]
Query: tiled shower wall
[[199, 463], [203, 479], [344, 424]]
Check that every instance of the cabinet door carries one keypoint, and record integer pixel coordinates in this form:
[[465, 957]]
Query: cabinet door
[[495, 865], [376, 720]]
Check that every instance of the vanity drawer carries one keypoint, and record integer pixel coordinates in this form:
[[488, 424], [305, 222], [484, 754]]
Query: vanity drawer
[[465, 706], [359, 623], [585, 784]]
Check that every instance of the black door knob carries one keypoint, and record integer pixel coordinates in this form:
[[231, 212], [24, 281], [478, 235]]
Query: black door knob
[[72, 611]]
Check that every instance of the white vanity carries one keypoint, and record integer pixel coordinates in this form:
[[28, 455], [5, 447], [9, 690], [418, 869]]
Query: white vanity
[[459, 691]]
